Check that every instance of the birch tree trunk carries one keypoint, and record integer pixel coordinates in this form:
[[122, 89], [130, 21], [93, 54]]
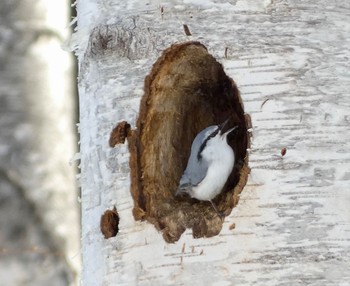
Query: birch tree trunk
[[39, 240], [291, 64]]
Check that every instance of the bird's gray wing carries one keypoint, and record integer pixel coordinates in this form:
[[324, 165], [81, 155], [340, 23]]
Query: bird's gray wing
[[196, 169], [194, 173]]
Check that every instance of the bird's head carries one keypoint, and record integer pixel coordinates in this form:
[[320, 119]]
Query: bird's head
[[224, 129], [214, 140]]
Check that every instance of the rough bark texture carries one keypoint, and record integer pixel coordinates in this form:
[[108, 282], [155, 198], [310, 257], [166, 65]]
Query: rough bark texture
[[186, 91], [290, 62], [39, 214]]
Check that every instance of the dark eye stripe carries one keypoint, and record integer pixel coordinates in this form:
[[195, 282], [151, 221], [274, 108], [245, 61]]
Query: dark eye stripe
[[201, 148]]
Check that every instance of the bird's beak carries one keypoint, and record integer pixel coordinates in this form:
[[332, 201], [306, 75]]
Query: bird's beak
[[223, 126], [230, 130]]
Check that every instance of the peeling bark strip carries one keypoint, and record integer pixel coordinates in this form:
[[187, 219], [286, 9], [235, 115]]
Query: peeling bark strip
[[283, 151], [186, 91], [109, 223], [187, 30], [119, 133]]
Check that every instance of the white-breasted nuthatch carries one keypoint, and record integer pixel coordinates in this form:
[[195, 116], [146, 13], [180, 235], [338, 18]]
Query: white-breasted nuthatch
[[210, 164]]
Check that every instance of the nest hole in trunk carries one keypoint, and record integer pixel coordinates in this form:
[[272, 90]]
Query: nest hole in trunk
[[186, 91]]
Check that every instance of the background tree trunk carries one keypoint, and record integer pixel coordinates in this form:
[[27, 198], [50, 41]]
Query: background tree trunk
[[290, 62], [39, 219]]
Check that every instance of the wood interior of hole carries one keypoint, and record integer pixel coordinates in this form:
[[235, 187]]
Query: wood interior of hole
[[186, 91]]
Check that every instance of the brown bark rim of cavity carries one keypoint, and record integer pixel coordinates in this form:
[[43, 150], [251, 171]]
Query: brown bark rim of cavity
[[186, 91]]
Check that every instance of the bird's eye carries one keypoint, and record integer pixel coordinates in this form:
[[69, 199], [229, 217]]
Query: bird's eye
[[213, 134]]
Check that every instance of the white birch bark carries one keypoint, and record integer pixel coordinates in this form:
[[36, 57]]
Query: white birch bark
[[290, 61], [39, 239]]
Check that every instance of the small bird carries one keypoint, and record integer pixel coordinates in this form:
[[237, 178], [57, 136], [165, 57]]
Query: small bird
[[209, 166]]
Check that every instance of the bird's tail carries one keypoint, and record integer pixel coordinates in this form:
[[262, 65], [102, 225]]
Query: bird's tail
[[183, 188]]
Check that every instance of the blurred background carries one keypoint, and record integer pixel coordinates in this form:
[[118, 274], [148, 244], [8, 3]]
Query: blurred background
[[39, 209]]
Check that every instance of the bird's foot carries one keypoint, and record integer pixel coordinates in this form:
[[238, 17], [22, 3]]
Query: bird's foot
[[220, 214]]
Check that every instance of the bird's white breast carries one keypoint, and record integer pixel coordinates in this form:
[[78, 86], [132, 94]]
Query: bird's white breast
[[221, 161]]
